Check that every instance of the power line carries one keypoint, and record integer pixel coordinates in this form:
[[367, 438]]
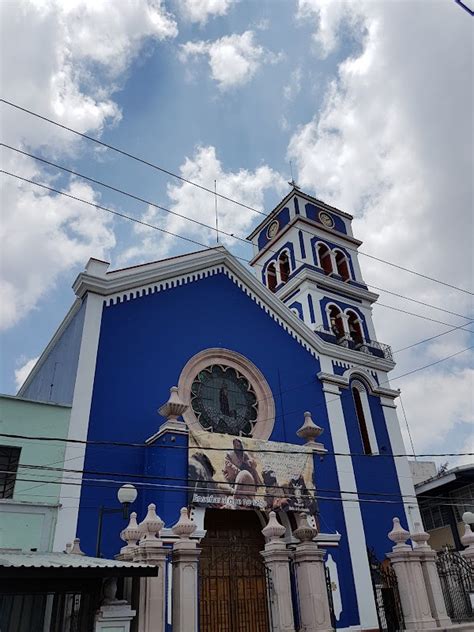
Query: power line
[[188, 239], [92, 482], [204, 225], [129, 475], [165, 446], [203, 188]]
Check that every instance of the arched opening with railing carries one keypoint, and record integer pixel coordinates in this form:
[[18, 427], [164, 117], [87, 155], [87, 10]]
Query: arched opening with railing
[[336, 321], [355, 327], [342, 265]]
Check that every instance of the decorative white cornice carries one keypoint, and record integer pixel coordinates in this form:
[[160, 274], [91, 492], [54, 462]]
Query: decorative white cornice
[[343, 381], [57, 334], [328, 283], [133, 283]]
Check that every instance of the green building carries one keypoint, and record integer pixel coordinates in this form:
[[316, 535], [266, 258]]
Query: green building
[[29, 493]]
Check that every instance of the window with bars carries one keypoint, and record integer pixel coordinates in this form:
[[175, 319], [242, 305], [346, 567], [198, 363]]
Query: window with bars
[[9, 460]]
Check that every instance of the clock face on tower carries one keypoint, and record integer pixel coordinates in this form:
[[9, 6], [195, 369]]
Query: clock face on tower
[[273, 229], [223, 400], [326, 219]]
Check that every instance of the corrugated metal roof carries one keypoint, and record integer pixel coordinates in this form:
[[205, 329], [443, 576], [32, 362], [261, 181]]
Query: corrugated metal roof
[[16, 559]]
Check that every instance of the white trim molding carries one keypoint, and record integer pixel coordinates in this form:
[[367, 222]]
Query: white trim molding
[[79, 423]]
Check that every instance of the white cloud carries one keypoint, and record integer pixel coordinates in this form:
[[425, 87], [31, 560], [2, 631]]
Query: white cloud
[[203, 168], [392, 145], [73, 57], [293, 87], [233, 59], [22, 373], [201, 10]]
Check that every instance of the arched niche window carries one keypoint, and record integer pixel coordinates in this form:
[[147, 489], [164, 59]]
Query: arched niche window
[[271, 277], [324, 257], [342, 265], [336, 321], [364, 417], [355, 328], [284, 263]]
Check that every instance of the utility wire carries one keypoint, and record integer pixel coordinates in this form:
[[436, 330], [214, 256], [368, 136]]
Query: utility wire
[[165, 446], [203, 188], [152, 477], [204, 225], [188, 239], [93, 482]]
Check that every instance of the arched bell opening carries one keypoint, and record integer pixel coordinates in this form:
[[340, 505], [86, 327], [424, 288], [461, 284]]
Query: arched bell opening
[[355, 328], [342, 265], [285, 270], [336, 321], [324, 258], [271, 277]]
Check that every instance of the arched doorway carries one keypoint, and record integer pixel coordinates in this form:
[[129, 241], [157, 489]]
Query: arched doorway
[[233, 584]]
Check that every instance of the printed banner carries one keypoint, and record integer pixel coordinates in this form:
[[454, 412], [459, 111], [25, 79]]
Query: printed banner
[[229, 472]]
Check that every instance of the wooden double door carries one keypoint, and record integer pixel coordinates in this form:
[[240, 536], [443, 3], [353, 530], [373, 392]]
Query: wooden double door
[[233, 581]]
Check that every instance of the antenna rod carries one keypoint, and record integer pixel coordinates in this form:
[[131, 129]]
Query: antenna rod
[[217, 216]]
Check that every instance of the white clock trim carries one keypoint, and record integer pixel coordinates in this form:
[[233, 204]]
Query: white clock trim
[[273, 229], [324, 217]]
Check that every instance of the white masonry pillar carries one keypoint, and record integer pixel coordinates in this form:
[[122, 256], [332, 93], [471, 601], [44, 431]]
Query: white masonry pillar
[[411, 584], [313, 599], [152, 597], [468, 540], [277, 560], [430, 575], [185, 576], [114, 614]]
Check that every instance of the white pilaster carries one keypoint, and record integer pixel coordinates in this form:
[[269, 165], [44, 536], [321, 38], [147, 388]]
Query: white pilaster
[[402, 465], [351, 508], [79, 423]]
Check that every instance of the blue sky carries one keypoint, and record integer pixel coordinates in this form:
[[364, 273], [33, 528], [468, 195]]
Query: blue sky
[[371, 101]]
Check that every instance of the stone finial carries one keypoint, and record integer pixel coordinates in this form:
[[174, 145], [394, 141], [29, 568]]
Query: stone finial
[[185, 527], [68, 547], [468, 540], [274, 530], [131, 534], [399, 535], [174, 407], [151, 526], [309, 431], [76, 548], [305, 532], [420, 537]]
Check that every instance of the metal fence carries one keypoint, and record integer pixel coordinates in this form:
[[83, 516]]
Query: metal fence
[[457, 582]]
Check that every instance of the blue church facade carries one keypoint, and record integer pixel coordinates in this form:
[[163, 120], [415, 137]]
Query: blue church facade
[[302, 321]]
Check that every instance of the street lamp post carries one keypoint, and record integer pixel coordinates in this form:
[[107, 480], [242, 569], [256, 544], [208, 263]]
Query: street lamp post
[[126, 495]]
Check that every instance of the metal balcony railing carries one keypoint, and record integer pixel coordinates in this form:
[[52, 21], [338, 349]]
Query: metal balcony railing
[[371, 347]]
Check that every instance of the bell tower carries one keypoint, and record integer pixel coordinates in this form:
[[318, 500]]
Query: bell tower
[[305, 253]]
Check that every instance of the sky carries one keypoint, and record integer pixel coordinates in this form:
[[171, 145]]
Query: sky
[[370, 102]]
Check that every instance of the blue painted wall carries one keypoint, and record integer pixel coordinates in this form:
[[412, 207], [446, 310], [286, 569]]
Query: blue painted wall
[[312, 212], [283, 218], [60, 367], [144, 344]]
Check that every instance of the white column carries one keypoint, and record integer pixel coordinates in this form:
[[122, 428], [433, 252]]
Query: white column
[[277, 560], [185, 576], [69, 497], [402, 465], [311, 582], [152, 597], [411, 584], [351, 509]]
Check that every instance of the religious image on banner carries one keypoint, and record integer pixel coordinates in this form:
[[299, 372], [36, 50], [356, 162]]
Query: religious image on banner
[[229, 472]]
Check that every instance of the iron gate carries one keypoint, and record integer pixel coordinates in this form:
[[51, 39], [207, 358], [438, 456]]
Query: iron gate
[[329, 588], [387, 598], [457, 582], [235, 590]]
